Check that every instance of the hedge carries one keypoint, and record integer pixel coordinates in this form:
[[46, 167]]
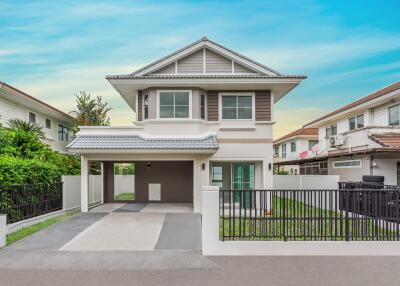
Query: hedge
[[27, 171]]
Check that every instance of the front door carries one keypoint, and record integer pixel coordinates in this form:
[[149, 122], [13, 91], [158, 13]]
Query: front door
[[243, 179]]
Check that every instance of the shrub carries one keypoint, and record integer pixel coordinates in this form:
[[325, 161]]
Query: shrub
[[27, 171]]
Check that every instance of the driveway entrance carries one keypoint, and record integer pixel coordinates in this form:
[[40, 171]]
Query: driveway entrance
[[140, 226]]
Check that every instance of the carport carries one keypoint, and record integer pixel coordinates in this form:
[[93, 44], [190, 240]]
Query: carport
[[167, 170]]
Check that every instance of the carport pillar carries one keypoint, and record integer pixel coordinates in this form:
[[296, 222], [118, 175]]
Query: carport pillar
[[84, 184]]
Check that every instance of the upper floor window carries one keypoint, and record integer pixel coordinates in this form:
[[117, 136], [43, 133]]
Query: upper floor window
[[284, 151], [276, 151], [146, 106], [331, 130], [394, 115], [237, 107], [356, 122], [203, 106], [312, 143], [32, 117], [292, 146], [47, 123], [62, 133], [174, 104]]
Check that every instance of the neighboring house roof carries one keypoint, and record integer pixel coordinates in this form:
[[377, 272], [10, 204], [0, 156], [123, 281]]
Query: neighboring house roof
[[388, 140], [138, 142], [365, 99], [298, 133], [20, 93]]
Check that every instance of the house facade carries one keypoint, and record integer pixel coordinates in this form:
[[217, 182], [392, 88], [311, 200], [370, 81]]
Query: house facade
[[204, 116], [299, 144], [16, 104], [361, 138]]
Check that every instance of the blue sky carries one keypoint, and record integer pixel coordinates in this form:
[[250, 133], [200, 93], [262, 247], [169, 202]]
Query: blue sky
[[54, 49]]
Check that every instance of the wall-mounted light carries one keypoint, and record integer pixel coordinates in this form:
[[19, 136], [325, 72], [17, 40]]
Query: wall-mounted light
[[148, 165], [203, 166], [269, 166]]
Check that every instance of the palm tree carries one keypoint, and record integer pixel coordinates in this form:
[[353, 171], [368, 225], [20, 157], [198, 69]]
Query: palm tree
[[91, 111], [21, 125]]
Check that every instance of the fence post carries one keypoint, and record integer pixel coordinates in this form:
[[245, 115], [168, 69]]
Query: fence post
[[346, 216], [3, 230]]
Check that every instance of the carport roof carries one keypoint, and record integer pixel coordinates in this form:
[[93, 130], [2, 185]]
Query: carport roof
[[126, 142]]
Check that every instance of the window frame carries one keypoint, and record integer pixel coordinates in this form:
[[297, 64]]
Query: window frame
[[315, 140], [330, 127], [293, 143], [284, 151], [359, 166], [388, 114], [205, 106], [356, 122], [45, 123], [63, 128], [276, 148], [174, 90], [29, 117], [253, 105], [146, 95]]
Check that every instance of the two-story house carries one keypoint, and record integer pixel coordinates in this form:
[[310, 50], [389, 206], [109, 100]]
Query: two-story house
[[16, 104], [299, 144], [361, 138], [204, 116]]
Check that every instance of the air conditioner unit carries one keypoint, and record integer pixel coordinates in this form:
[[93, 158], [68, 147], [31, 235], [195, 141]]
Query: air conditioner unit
[[336, 140]]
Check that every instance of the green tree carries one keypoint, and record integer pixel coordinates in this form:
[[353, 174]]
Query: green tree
[[31, 127], [90, 111]]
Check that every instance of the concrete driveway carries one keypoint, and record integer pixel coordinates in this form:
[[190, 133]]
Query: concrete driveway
[[115, 236]]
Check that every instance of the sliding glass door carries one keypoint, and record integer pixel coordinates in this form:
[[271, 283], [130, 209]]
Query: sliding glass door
[[243, 179]]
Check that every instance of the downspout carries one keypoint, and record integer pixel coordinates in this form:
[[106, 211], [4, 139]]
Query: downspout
[[371, 165]]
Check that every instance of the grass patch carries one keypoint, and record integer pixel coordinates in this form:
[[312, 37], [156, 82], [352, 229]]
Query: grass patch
[[125, 197], [302, 222], [26, 231]]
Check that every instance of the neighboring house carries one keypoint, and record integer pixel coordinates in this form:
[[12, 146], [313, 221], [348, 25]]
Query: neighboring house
[[15, 103], [299, 144], [204, 116], [361, 138]]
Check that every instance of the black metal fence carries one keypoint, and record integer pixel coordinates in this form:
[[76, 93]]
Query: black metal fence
[[294, 215], [21, 202]]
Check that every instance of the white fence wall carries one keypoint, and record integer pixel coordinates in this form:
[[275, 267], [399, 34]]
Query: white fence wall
[[306, 182], [124, 184], [72, 191], [212, 245]]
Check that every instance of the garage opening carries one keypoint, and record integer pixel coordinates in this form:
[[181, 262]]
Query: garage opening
[[149, 181]]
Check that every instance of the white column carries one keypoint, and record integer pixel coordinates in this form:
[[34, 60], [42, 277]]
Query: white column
[[102, 182], [84, 184], [3, 230], [265, 183]]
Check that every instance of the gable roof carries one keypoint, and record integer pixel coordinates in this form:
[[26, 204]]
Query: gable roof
[[195, 46], [17, 92], [298, 133], [360, 101]]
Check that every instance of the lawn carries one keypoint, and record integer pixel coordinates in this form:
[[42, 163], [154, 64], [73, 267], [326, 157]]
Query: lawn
[[125, 197], [26, 231], [303, 222]]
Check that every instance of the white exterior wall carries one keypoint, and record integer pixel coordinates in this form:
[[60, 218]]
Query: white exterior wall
[[306, 182], [10, 110], [72, 191], [388, 168]]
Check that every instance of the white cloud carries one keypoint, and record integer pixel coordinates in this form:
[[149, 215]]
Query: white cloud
[[59, 87], [317, 55]]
